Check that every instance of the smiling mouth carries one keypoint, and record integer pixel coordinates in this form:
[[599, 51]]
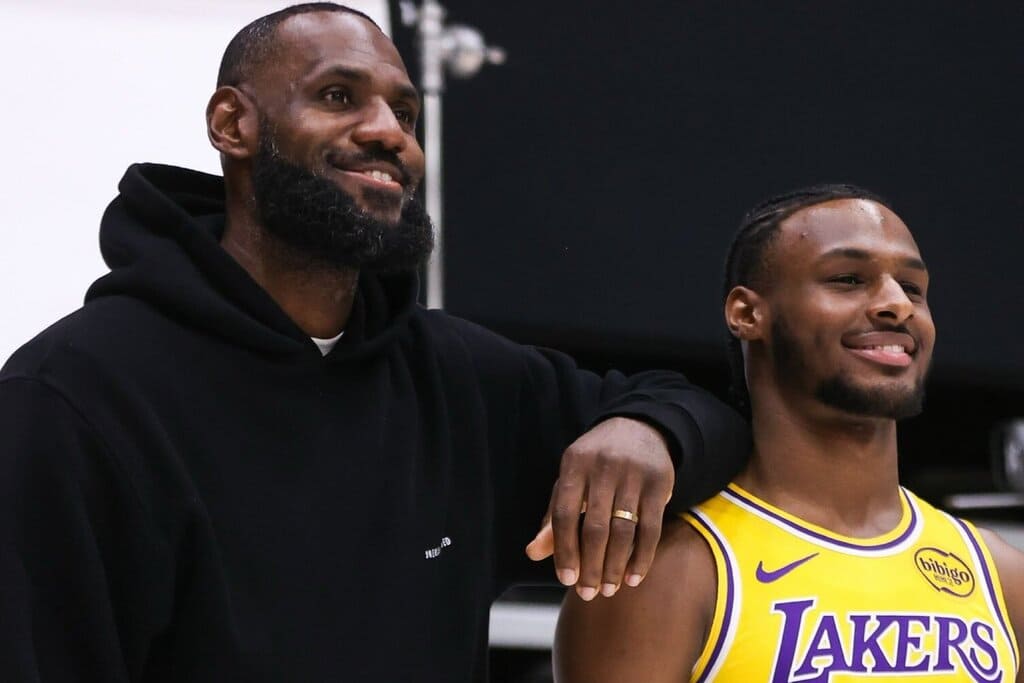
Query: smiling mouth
[[375, 178], [382, 176], [892, 355], [892, 348]]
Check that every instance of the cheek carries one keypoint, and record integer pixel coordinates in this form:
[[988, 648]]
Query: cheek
[[827, 318], [414, 159], [823, 326], [928, 324], [926, 332]]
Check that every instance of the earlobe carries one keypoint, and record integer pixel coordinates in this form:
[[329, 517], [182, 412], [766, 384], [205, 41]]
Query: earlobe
[[231, 123], [744, 313]]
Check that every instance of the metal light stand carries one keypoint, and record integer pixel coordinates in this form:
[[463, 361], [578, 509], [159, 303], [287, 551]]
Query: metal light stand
[[463, 51]]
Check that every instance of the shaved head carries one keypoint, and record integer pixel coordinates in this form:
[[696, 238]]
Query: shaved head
[[249, 50]]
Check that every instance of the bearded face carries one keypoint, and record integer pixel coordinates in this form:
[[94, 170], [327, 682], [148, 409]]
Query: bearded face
[[324, 226]]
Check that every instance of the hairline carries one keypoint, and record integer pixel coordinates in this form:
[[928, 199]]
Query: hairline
[[254, 50]]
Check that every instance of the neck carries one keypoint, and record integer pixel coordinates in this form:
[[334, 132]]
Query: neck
[[835, 470], [318, 298]]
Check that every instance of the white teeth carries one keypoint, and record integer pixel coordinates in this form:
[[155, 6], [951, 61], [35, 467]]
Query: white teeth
[[891, 348], [379, 175]]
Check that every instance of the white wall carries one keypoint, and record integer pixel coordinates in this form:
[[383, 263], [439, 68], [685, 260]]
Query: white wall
[[87, 89]]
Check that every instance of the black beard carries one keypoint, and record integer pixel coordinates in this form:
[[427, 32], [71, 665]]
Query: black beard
[[838, 391], [894, 405], [322, 226]]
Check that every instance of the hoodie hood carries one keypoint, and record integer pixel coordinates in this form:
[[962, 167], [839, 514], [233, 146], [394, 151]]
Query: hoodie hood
[[161, 239]]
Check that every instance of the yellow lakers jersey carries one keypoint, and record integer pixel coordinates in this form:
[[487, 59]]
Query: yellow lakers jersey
[[796, 602]]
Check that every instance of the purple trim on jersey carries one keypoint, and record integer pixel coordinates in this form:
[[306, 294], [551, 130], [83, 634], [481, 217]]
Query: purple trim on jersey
[[730, 493], [730, 598], [990, 586]]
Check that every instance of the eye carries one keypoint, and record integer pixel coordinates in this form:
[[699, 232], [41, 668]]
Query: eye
[[847, 279], [336, 95], [405, 116], [912, 289]]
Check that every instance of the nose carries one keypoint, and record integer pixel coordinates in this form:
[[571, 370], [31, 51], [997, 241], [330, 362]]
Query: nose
[[891, 303], [380, 126]]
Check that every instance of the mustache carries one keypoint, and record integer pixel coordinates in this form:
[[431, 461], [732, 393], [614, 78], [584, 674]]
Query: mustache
[[902, 329]]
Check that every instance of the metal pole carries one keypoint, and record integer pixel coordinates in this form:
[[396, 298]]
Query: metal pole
[[434, 195], [462, 50]]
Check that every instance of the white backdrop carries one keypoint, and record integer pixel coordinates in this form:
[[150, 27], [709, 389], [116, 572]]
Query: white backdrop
[[89, 88]]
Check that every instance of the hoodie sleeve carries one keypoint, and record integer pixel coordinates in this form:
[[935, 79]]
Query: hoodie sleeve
[[71, 537]]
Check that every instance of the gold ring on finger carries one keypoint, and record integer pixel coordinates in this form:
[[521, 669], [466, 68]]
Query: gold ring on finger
[[626, 515]]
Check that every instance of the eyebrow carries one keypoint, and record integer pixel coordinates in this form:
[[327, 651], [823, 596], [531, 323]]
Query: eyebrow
[[861, 255], [363, 76]]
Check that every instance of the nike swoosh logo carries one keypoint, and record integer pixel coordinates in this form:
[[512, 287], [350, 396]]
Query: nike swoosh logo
[[765, 576]]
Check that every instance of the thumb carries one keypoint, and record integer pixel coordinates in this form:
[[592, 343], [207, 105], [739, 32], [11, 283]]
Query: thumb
[[543, 544]]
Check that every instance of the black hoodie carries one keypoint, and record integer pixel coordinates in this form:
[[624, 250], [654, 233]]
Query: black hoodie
[[190, 492]]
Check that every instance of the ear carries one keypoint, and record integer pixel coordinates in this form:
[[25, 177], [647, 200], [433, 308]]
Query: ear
[[232, 123], [745, 314]]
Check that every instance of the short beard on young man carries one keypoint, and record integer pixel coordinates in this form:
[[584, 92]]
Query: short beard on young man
[[322, 226], [838, 391]]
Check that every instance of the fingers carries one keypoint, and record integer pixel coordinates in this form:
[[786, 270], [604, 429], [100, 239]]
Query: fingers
[[566, 503], [620, 464], [620, 539], [615, 550], [543, 544], [594, 535], [646, 535]]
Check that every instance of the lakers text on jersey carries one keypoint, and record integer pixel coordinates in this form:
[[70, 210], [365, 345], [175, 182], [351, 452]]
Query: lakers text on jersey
[[798, 603]]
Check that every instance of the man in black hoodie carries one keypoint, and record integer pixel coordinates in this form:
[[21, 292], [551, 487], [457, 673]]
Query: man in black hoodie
[[252, 457]]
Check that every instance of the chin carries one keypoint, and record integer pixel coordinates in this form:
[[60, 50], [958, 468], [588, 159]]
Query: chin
[[390, 219], [382, 206], [882, 400]]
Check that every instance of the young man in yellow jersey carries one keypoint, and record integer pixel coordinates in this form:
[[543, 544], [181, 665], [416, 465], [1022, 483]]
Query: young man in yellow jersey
[[815, 565]]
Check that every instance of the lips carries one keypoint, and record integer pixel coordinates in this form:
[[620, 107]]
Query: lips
[[377, 172], [883, 347]]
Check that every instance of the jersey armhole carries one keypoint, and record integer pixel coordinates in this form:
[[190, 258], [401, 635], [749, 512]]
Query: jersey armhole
[[993, 587], [723, 620]]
